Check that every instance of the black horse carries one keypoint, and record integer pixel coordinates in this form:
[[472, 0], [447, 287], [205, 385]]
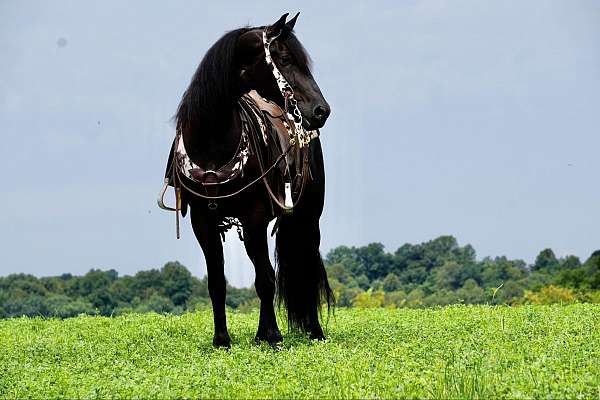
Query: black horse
[[209, 120]]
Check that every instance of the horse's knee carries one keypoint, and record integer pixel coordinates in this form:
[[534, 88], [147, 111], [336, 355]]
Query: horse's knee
[[265, 288]]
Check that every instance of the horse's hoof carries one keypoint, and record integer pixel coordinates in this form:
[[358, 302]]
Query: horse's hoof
[[222, 341], [316, 334], [271, 336]]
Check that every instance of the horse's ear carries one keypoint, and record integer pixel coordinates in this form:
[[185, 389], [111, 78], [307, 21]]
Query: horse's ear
[[292, 22], [277, 27]]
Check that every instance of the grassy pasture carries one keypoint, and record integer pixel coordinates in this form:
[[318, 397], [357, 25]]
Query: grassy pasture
[[451, 352]]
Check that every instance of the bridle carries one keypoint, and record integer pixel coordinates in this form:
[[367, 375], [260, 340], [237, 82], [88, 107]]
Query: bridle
[[286, 90], [298, 138]]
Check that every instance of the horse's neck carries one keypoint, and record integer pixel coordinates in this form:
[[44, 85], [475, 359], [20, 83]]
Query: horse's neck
[[213, 147]]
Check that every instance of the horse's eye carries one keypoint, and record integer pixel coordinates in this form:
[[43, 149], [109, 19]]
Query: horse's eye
[[285, 60]]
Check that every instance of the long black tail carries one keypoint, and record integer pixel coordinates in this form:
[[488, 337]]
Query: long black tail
[[302, 285]]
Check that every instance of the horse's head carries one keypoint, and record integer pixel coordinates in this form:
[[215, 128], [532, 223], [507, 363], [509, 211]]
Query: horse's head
[[291, 60]]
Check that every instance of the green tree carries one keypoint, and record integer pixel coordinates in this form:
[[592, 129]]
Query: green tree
[[363, 282], [546, 260], [370, 260], [339, 272], [177, 282], [448, 276], [570, 262], [471, 293], [500, 270], [509, 293], [391, 282]]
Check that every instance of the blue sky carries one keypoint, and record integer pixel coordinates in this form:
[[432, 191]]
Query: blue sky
[[476, 119]]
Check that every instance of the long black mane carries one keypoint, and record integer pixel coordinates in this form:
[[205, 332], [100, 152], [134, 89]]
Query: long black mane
[[215, 86]]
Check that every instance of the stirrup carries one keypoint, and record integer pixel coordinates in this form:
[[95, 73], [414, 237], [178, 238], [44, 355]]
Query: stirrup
[[161, 197]]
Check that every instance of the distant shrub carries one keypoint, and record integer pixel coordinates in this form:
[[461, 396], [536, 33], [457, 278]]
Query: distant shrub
[[31, 306], [156, 303], [61, 306], [415, 298], [249, 305], [199, 304], [395, 299], [369, 299], [550, 295], [442, 298], [345, 296], [589, 296]]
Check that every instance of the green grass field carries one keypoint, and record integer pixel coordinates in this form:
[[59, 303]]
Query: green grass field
[[452, 352]]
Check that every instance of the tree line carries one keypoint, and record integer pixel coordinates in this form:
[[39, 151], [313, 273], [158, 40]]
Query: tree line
[[440, 272], [437, 272]]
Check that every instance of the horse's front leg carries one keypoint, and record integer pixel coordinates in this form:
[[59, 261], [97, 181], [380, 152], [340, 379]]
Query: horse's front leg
[[255, 241], [204, 224]]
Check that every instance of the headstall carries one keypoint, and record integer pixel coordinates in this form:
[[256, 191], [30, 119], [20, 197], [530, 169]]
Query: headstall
[[291, 104]]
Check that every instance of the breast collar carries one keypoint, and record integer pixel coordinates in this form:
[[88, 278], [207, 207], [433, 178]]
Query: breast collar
[[225, 173]]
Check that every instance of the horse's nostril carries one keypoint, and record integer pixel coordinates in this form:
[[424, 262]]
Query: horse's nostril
[[321, 112]]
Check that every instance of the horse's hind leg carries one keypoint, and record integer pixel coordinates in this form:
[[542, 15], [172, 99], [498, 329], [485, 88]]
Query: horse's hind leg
[[204, 225], [255, 241]]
